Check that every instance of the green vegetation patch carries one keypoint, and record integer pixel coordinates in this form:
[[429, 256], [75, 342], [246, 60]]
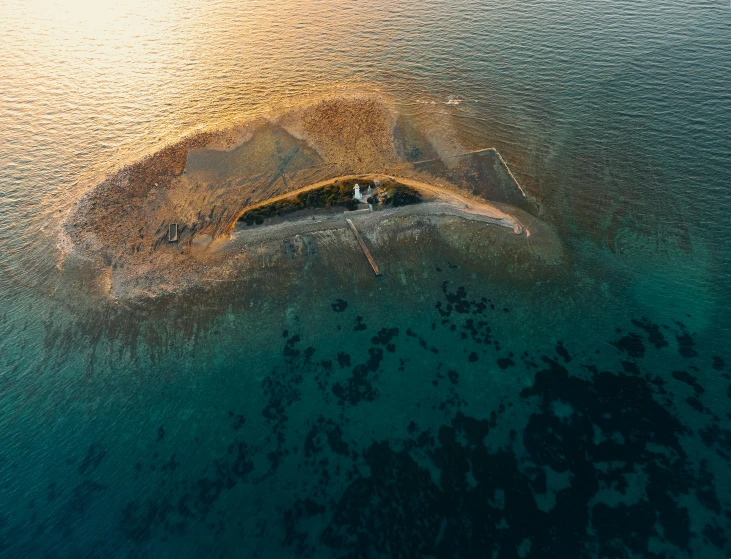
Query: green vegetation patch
[[397, 194], [339, 194]]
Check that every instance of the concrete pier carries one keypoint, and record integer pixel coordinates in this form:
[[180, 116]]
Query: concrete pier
[[364, 247]]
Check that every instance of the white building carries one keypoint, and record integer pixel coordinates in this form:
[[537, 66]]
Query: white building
[[357, 195]]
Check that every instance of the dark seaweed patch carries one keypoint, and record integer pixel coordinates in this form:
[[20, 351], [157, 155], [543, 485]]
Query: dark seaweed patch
[[696, 404], [653, 331], [137, 522], [384, 336], [93, 458], [298, 539], [371, 517], [343, 359], [281, 385], [238, 420], [480, 332], [505, 362], [196, 501], [705, 489], [631, 344], [458, 300], [360, 386], [81, 498], [339, 305], [455, 485], [716, 536], [715, 436], [207, 490], [688, 379], [333, 434], [596, 431], [52, 492], [289, 349], [631, 367], [685, 345], [563, 352]]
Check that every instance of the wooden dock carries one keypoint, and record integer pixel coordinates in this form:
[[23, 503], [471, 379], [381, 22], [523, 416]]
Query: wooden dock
[[364, 247]]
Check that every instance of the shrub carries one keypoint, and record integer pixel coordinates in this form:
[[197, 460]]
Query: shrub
[[337, 194], [401, 195]]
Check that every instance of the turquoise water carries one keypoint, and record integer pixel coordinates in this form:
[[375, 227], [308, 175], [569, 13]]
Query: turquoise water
[[448, 410]]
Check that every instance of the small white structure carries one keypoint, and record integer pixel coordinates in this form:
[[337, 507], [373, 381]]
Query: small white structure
[[358, 196]]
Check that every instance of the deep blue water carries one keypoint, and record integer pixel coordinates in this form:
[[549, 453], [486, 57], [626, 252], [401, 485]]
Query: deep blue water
[[440, 412]]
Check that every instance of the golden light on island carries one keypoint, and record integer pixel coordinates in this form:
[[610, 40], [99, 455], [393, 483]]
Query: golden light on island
[[191, 213]]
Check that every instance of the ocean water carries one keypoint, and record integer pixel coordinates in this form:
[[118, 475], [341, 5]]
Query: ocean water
[[463, 405]]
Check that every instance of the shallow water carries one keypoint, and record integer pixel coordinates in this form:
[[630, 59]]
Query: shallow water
[[469, 401]]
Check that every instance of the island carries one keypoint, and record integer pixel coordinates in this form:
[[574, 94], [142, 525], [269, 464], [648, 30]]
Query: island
[[219, 205]]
